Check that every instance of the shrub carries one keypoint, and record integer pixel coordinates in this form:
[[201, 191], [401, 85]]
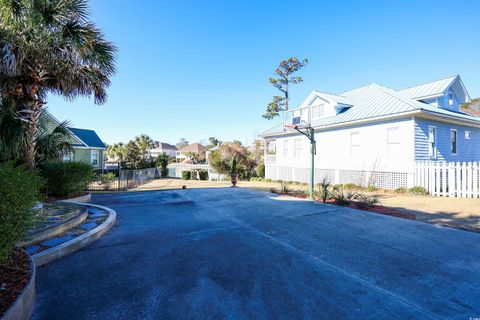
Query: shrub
[[284, 187], [418, 191], [367, 201], [186, 175], [66, 179], [260, 170], [324, 186], [401, 190], [203, 174], [19, 189], [233, 165], [268, 180], [106, 180], [343, 197], [371, 188]]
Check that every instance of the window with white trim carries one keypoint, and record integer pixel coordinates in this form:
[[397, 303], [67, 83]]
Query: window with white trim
[[68, 156], [393, 141], [94, 157], [393, 135], [432, 142], [468, 135], [285, 148], [453, 141], [318, 111], [354, 143], [297, 148], [450, 99]]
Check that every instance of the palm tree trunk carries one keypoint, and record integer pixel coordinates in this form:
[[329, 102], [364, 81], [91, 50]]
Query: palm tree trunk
[[33, 127]]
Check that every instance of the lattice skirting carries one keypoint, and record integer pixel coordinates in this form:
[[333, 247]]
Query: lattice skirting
[[380, 179]]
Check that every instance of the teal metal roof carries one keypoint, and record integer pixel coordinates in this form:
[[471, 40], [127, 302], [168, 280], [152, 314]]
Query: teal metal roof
[[430, 89], [89, 137], [372, 102]]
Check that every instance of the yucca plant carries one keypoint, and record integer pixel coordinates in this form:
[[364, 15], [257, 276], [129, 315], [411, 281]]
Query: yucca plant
[[50, 47]]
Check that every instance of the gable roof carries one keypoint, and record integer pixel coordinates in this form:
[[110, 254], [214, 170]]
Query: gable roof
[[164, 146], [88, 137], [430, 89], [194, 147], [373, 102]]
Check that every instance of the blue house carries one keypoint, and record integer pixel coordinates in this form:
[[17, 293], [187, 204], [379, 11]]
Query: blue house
[[375, 134]]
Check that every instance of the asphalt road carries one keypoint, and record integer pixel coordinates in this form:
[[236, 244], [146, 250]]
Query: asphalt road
[[233, 253]]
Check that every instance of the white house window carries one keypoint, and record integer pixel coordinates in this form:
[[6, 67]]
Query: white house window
[[468, 135], [393, 135], [94, 157], [285, 148], [450, 99], [68, 156], [318, 111], [354, 142], [453, 141], [297, 148], [432, 143]]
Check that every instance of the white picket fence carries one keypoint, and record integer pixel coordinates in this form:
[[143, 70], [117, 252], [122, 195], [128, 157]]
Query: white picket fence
[[449, 179]]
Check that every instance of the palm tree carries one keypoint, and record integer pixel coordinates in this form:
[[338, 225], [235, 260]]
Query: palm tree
[[144, 143], [52, 143], [50, 47], [118, 151]]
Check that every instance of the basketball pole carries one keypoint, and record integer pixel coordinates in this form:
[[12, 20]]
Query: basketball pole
[[310, 134]]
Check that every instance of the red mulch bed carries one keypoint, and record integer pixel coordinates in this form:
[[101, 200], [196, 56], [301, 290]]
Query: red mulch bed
[[383, 210], [14, 276], [360, 206]]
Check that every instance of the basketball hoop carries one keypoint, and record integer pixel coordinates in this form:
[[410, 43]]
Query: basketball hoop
[[290, 126]]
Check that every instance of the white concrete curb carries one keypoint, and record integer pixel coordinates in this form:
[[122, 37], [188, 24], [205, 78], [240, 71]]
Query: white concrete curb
[[85, 198], [56, 230], [73, 245]]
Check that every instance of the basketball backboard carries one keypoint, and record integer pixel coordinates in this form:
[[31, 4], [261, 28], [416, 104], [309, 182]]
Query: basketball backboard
[[297, 118]]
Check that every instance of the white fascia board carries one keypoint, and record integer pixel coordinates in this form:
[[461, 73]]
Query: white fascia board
[[98, 148], [448, 118], [356, 122], [57, 122], [420, 113]]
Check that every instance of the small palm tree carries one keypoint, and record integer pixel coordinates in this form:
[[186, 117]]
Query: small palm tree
[[52, 143], [50, 47], [118, 151], [144, 144]]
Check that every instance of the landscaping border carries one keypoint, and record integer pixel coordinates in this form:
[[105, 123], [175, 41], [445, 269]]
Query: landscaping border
[[81, 241], [82, 199], [57, 229], [23, 306]]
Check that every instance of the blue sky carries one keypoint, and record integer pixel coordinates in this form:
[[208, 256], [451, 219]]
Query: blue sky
[[197, 69]]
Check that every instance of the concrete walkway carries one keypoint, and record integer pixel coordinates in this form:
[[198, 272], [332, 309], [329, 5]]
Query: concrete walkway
[[242, 254]]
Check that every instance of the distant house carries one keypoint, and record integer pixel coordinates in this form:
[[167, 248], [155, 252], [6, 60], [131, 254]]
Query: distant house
[[87, 146], [184, 154], [163, 148], [375, 134]]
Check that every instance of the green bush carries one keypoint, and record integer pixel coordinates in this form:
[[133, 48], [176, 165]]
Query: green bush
[[418, 191], [65, 179], [106, 180], [401, 190], [186, 175], [260, 170], [19, 189], [203, 174]]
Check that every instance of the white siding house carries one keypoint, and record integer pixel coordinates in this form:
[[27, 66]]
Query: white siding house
[[375, 135]]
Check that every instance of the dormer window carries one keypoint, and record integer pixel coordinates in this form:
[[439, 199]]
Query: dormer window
[[318, 111], [450, 99]]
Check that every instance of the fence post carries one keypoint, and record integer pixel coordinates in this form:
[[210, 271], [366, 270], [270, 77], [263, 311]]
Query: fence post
[[475, 180]]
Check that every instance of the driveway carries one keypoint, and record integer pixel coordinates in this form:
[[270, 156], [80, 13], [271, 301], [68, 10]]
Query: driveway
[[233, 253]]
